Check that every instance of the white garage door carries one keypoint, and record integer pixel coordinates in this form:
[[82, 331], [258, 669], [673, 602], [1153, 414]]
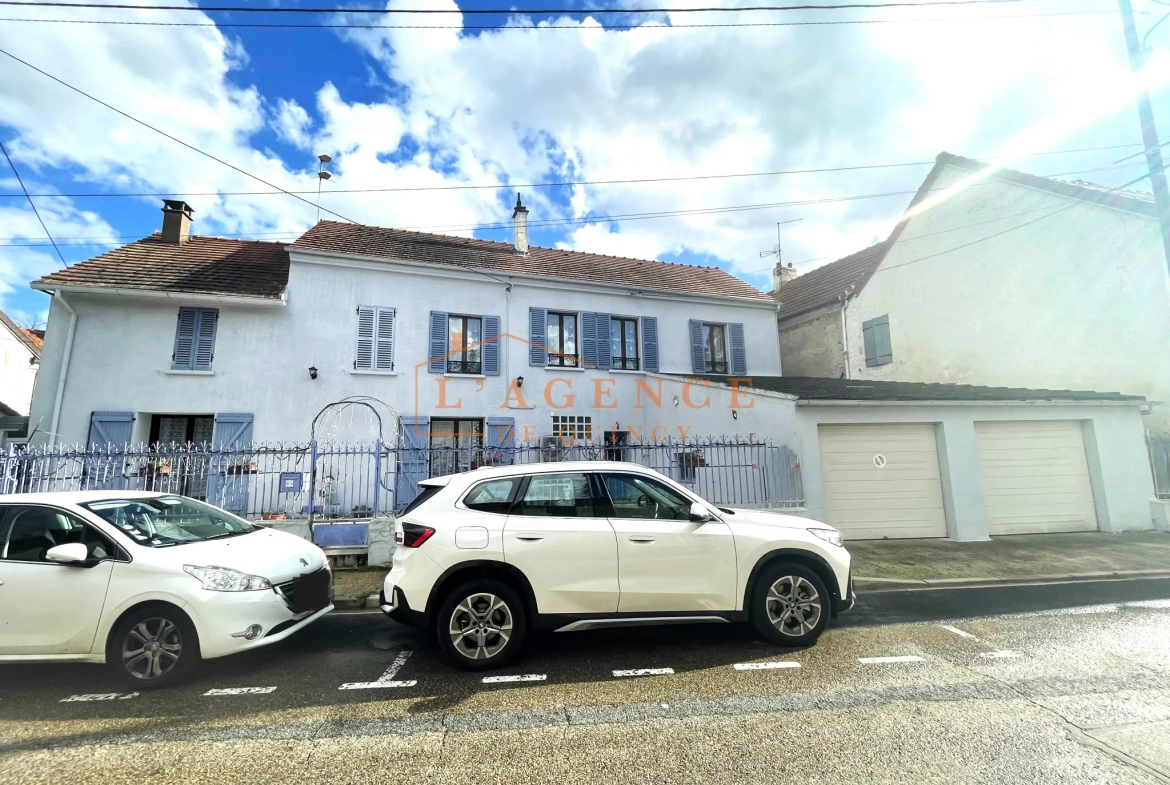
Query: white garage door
[[1035, 477], [882, 481]]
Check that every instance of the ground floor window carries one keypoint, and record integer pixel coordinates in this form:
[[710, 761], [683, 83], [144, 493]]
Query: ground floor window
[[179, 471], [573, 427], [182, 428], [616, 445], [456, 445]]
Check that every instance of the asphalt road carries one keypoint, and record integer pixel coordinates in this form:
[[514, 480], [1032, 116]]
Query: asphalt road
[[1050, 683]]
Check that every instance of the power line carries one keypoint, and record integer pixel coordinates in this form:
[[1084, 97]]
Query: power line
[[504, 11], [650, 25], [168, 136], [512, 186], [31, 203]]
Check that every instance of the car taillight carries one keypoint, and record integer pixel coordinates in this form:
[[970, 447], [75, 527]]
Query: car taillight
[[412, 535]]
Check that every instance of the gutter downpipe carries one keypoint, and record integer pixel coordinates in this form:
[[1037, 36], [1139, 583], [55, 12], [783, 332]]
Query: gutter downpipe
[[60, 297], [845, 329]]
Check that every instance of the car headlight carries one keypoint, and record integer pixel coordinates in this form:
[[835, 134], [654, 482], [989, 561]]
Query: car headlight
[[828, 535], [224, 579]]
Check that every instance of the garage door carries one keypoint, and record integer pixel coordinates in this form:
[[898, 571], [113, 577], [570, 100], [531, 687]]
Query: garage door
[[882, 481], [1035, 477]]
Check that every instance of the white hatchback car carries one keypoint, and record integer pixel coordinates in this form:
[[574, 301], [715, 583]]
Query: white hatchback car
[[149, 583], [486, 555]]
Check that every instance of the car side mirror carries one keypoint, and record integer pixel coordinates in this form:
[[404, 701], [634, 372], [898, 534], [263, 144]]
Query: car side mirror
[[70, 553], [699, 512]]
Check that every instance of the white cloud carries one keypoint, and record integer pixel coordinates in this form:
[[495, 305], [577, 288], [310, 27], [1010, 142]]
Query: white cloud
[[292, 123]]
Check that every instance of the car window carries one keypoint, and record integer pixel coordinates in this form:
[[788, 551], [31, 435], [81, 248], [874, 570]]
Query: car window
[[162, 521], [29, 531], [559, 496], [642, 497], [425, 493], [492, 496]]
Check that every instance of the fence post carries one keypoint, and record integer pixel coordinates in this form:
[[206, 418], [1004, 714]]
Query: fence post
[[377, 477], [312, 484]]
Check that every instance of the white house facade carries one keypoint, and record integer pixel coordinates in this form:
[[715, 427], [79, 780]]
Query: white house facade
[[20, 357]]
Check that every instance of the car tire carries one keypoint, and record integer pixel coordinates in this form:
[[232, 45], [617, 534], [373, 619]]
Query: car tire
[[481, 625], [790, 604], [155, 646]]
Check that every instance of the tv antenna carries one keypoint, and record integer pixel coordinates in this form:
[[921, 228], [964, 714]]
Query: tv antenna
[[322, 176], [776, 248]]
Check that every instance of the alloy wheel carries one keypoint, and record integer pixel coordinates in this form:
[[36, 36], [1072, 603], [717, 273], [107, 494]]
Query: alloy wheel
[[794, 606], [481, 626], [152, 648]]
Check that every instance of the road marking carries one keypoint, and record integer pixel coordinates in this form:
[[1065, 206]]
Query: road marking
[[764, 666], [386, 680], [958, 632], [240, 691], [1149, 604], [886, 660], [511, 679], [100, 696], [998, 655], [644, 672]]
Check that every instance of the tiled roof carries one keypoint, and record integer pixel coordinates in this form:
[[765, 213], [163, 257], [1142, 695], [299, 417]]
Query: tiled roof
[[813, 388], [25, 336], [332, 236], [202, 265], [37, 337], [825, 284]]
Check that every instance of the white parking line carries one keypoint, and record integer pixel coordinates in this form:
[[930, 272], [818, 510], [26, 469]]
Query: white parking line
[[957, 631], [644, 672], [887, 660], [240, 691], [386, 680], [1160, 604], [998, 655], [100, 696], [764, 666], [511, 679]]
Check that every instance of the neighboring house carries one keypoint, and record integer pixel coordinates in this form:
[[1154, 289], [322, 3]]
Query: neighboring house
[[995, 277], [20, 357]]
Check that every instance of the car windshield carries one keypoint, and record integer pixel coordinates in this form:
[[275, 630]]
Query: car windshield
[[169, 520]]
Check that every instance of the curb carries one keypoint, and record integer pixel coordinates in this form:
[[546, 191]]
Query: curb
[[912, 584], [352, 604]]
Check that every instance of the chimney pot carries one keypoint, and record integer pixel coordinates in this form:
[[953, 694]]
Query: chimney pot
[[520, 222], [782, 275], [177, 219]]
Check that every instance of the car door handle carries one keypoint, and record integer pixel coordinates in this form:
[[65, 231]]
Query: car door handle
[[530, 537], [641, 538]]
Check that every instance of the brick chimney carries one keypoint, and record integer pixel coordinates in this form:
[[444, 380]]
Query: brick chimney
[[177, 219], [520, 221], [782, 275]]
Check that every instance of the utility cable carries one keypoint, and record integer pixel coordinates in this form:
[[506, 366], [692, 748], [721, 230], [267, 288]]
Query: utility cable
[[31, 203]]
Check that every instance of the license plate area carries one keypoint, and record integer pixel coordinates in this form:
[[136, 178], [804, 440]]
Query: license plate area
[[311, 592]]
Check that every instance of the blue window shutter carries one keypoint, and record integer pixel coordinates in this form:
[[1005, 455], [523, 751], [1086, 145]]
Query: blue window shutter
[[438, 342], [363, 358], [588, 338], [881, 334], [698, 362], [205, 339], [738, 349], [228, 476], [110, 429], [604, 355], [650, 343], [184, 354], [384, 340], [491, 346], [415, 439], [501, 440], [233, 430], [538, 337]]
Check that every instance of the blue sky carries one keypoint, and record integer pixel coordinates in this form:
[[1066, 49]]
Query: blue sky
[[442, 108]]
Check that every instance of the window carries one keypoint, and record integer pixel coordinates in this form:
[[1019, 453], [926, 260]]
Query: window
[[195, 339], [456, 445], [715, 348], [464, 354], [623, 339], [561, 339], [426, 492], [559, 496], [640, 497], [375, 339], [876, 335], [182, 429], [493, 496], [615, 445], [573, 427], [27, 533], [169, 520]]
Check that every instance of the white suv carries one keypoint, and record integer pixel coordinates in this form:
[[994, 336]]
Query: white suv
[[486, 555]]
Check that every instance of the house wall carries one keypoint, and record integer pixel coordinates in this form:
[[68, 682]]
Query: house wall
[[811, 344], [17, 377], [1076, 300], [122, 349], [1114, 445]]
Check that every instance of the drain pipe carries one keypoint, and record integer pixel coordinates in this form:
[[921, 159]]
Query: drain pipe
[[64, 370], [844, 298]]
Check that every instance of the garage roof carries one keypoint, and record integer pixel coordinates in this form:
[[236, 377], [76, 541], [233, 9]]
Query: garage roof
[[812, 388]]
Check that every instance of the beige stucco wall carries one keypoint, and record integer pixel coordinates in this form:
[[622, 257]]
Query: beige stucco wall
[[988, 288], [811, 344]]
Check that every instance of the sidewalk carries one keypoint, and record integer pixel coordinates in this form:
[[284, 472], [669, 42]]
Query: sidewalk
[[900, 564]]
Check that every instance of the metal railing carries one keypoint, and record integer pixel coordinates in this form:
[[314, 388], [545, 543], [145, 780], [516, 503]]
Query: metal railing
[[1159, 447], [321, 481]]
